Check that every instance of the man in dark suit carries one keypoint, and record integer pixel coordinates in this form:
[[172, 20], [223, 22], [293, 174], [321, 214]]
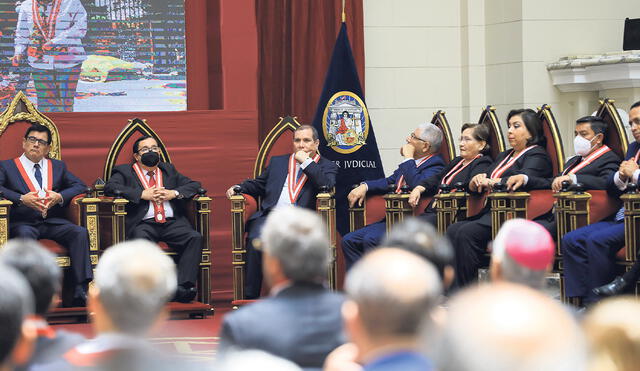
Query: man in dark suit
[[592, 165], [156, 211], [588, 253], [301, 320], [390, 294], [293, 179], [40, 188], [41, 271], [421, 162]]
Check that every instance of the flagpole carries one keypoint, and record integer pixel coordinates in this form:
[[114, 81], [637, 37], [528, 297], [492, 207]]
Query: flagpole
[[344, 15]]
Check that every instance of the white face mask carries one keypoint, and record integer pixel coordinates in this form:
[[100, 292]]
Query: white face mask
[[581, 145]]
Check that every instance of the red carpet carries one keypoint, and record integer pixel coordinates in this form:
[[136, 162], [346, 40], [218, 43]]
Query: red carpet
[[193, 339]]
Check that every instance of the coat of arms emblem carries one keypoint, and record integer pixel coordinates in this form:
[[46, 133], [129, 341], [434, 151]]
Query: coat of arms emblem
[[345, 122]]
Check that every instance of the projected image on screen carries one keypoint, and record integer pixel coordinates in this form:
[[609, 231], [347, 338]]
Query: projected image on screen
[[94, 55]]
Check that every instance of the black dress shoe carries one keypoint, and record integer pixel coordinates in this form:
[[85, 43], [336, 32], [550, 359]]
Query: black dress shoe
[[615, 287], [185, 294]]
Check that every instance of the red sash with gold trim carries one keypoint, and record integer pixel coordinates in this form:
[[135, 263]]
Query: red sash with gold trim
[[295, 185]]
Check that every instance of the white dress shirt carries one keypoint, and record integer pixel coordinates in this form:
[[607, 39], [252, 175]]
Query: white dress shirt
[[29, 167], [284, 199], [168, 210]]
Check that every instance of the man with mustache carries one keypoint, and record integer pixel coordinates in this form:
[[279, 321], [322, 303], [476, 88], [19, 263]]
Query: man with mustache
[[156, 210], [40, 188]]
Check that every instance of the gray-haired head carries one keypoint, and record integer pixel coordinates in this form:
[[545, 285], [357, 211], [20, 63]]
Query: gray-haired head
[[38, 266], [253, 359], [432, 134], [394, 290], [421, 238], [506, 327], [135, 280], [16, 302], [298, 239], [521, 253]]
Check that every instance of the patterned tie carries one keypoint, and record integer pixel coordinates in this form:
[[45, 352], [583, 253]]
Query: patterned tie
[[158, 207], [38, 174]]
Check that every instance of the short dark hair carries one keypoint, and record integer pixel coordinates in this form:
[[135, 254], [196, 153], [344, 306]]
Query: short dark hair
[[15, 304], [314, 132], [597, 124], [137, 142], [532, 123], [38, 266], [40, 129], [635, 105], [480, 133], [421, 238]]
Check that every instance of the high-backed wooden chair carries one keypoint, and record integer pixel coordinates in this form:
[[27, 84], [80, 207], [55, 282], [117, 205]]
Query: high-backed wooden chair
[[112, 210], [529, 205], [277, 142], [395, 207], [82, 210], [449, 204]]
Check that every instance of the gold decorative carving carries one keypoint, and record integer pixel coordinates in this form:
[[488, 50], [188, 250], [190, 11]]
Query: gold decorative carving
[[94, 259], [63, 261], [92, 228]]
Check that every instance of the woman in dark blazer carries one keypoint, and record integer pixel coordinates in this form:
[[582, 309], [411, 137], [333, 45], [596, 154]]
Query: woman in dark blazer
[[526, 158], [473, 159]]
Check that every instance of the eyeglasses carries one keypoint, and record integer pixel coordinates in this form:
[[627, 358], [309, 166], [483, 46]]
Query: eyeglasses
[[144, 150], [413, 136], [34, 140]]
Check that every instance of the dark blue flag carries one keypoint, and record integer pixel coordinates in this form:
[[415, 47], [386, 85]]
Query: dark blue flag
[[346, 133]]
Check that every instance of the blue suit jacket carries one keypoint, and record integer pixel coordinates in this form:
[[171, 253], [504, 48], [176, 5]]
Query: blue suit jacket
[[269, 184], [634, 147], [403, 360], [13, 186], [412, 175]]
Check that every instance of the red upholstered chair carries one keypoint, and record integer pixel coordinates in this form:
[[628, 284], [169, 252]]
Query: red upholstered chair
[[112, 210], [82, 210], [277, 142], [529, 205], [449, 204], [395, 207]]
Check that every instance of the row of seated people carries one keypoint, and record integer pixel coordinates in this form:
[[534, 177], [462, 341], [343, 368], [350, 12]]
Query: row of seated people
[[40, 188], [526, 166]]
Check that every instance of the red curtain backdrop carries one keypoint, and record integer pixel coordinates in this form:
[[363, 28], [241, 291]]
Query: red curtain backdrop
[[296, 38]]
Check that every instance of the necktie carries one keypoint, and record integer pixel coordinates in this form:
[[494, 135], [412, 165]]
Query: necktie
[[299, 174], [38, 174], [158, 207]]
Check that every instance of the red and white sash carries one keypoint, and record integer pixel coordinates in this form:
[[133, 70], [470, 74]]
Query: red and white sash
[[402, 182], [637, 157], [587, 160], [46, 26], [32, 187], [295, 185], [158, 207], [448, 178], [507, 163]]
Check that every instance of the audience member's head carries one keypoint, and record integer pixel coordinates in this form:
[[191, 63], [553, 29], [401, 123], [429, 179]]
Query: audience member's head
[[613, 331], [133, 282], [16, 303], [506, 327], [296, 247], [523, 252], [390, 294], [422, 238], [38, 266]]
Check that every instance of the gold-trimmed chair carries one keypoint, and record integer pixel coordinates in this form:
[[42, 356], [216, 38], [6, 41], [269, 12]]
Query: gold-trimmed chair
[[112, 210], [395, 207], [82, 210], [277, 142], [529, 205], [450, 205]]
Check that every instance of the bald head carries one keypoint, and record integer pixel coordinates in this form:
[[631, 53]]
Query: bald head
[[505, 327], [393, 290]]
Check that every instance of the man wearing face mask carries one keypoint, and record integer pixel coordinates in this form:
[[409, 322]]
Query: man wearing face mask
[[592, 166], [156, 210]]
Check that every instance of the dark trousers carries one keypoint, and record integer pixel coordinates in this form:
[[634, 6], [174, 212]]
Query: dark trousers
[[357, 243], [253, 259], [548, 222], [469, 239], [588, 256], [71, 236], [181, 238], [430, 217]]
